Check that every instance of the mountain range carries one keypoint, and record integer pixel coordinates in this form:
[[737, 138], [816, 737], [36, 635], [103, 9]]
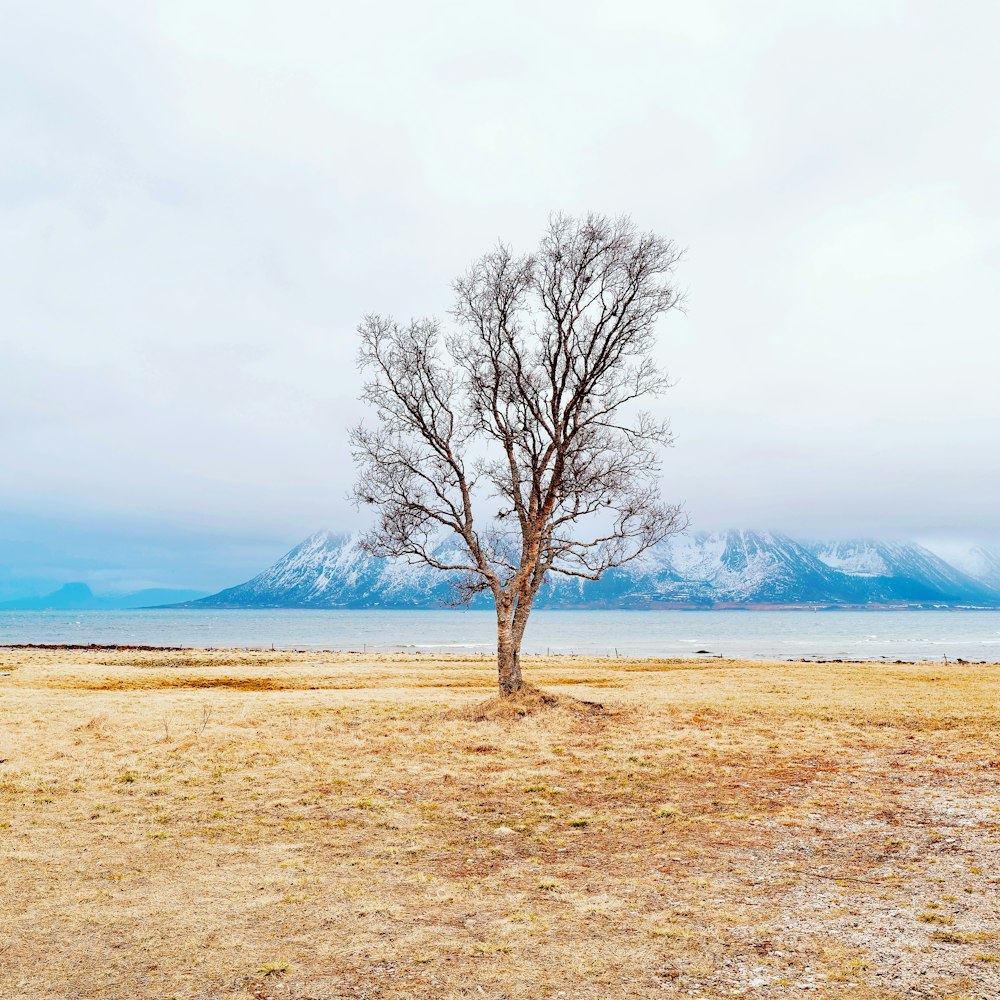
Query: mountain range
[[79, 597], [737, 568]]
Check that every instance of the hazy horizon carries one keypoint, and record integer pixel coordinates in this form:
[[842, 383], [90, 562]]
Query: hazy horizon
[[200, 203], [104, 577]]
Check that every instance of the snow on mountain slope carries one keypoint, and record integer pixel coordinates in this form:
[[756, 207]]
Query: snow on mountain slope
[[852, 558], [737, 567], [702, 570], [332, 571], [980, 562], [898, 571], [984, 566]]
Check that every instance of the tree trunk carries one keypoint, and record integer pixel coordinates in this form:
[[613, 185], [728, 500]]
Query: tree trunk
[[508, 656]]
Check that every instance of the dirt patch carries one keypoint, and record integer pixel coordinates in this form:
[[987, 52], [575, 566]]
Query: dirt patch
[[193, 683], [173, 662]]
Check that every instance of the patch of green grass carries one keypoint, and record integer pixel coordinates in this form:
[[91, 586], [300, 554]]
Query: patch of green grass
[[491, 949], [959, 937], [668, 811], [272, 969]]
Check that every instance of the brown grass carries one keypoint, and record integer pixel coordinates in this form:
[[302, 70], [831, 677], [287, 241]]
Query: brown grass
[[247, 825]]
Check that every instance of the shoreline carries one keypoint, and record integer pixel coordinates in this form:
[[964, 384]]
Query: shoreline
[[914, 636], [716, 659], [653, 606]]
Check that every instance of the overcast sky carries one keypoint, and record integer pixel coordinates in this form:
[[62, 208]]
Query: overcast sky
[[199, 201]]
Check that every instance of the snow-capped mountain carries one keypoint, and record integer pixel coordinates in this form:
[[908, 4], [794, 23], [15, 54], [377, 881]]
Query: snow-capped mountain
[[331, 571], [984, 566], [893, 571], [732, 568], [737, 567], [980, 562]]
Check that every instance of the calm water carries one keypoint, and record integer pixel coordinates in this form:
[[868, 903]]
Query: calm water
[[905, 635]]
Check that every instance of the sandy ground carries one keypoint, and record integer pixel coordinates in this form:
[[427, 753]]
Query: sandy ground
[[262, 825]]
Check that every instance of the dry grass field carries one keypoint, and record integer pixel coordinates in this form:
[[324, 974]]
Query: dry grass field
[[262, 825]]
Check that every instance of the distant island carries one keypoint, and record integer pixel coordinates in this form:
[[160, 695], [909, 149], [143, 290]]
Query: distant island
[[79, 597], [731, 569]]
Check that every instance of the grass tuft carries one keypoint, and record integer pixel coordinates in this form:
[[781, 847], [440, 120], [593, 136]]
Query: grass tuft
[[272, 969], [527, 701]]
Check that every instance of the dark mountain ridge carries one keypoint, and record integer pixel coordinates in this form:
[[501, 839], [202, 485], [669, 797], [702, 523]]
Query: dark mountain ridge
[[79, 597]]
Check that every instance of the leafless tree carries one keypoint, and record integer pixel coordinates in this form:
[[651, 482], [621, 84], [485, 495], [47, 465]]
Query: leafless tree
[[513, 447]]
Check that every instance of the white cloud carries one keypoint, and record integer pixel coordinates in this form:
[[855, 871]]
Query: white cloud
[[199, 201]]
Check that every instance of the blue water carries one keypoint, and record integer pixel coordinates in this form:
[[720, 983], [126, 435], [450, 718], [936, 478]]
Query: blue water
[[892, 635]]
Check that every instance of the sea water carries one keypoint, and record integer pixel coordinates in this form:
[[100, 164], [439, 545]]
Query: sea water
[[868, 635]]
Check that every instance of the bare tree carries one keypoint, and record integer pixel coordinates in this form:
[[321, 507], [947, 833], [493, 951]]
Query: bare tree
[[512, 447]]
